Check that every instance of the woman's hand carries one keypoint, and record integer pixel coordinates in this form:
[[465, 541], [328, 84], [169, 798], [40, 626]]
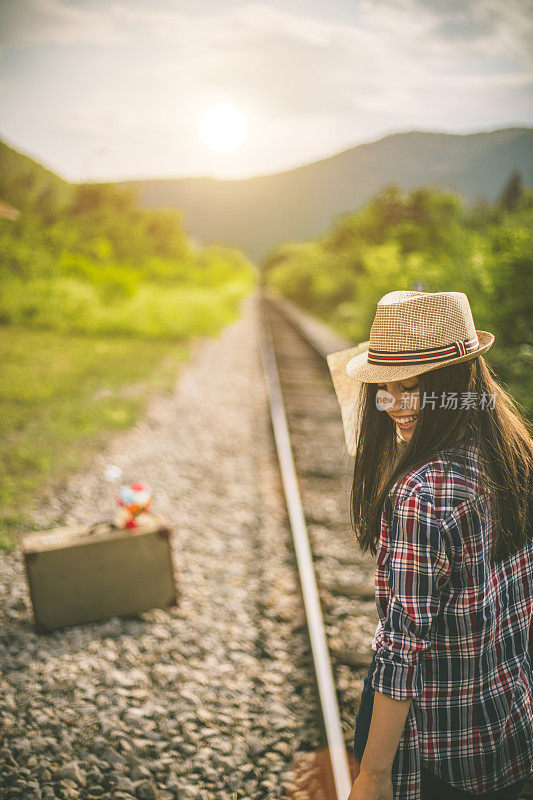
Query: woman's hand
[[371, 787]]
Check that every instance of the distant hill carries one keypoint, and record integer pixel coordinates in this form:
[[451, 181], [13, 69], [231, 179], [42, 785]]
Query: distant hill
[[259, 213]]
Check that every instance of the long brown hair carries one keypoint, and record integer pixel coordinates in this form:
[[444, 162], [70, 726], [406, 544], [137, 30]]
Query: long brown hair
[[502, 434]]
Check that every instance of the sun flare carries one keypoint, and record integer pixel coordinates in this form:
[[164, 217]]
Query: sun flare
[[223, 128]]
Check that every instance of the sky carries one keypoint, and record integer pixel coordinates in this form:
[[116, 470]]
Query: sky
[[117, 89]]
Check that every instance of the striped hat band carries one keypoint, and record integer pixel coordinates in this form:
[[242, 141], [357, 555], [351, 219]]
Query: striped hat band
[[424, 356]]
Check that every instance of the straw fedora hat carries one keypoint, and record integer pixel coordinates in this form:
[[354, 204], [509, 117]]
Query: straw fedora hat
[[412, 332]]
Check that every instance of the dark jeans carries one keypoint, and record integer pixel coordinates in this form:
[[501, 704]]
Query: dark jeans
[[433, 787]]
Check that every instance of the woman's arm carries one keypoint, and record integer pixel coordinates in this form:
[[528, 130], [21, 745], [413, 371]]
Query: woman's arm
[[418, 570], [386, 728], [385, 732]]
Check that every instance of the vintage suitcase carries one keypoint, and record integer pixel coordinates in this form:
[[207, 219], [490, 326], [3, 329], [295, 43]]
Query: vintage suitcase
[[85, 574]]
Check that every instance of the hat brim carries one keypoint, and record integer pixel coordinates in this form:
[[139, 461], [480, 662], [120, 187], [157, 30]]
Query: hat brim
[[358, 368]]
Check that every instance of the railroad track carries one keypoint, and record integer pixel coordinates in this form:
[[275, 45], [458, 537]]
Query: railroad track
[[337, 581], [315, 469]]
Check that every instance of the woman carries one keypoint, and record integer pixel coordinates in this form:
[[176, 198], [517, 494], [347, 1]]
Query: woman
[[447, 705]]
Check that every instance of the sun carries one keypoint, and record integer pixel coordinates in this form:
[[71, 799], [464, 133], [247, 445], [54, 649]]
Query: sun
[[223, 128]]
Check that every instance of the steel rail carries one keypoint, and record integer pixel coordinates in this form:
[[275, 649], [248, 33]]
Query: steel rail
[[316, 333], [315, 621]]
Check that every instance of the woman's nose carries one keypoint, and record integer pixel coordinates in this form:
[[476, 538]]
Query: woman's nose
[[397, 405]]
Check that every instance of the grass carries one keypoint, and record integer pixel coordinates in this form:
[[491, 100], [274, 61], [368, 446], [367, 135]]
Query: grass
[[61, 394]]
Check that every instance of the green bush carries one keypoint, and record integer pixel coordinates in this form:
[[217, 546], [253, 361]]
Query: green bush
[[106, 266]]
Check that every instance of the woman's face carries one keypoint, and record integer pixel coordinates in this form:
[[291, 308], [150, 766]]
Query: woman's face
[[406, 417]]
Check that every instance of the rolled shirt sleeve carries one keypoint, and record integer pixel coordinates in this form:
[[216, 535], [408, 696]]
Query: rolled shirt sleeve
[[418, 569]]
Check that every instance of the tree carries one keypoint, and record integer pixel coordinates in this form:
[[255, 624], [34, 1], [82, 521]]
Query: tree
[[512, 193]]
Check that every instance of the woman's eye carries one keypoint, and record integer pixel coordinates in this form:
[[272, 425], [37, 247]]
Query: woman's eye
[[404, 388]]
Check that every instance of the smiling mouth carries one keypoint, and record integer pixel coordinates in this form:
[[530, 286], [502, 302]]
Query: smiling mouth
[[404, 423]]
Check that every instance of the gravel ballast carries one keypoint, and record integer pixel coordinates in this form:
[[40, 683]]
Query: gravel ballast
[[210, 699]]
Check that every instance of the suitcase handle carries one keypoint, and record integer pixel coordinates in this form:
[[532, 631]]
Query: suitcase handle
[[113, 525], [108, 522]]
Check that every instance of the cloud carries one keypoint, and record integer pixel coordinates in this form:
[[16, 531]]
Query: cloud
[[309, 81], [294, 64], [31, 22], [407, 29], [489, 28]]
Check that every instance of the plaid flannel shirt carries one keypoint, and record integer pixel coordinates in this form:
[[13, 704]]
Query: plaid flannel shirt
[[453, 635]]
